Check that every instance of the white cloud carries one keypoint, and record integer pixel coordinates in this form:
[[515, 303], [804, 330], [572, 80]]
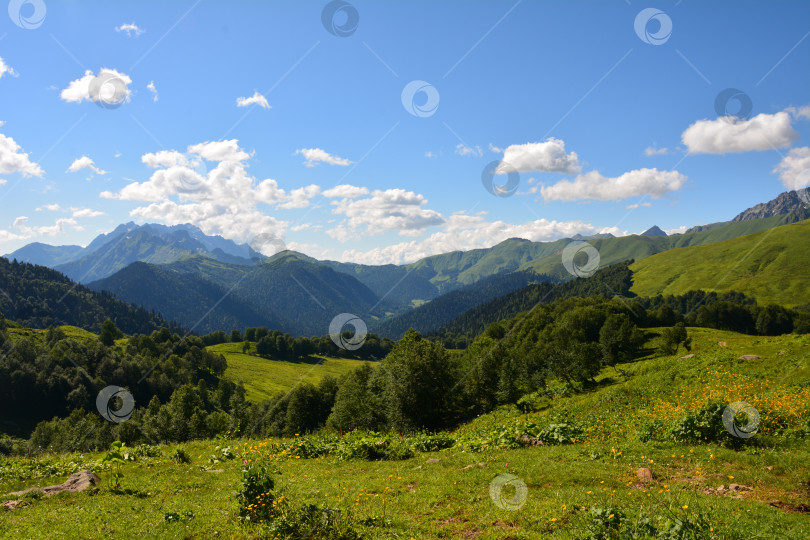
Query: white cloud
[[678, 230], [12, 159], [634, 206], [225, 151], [462, 150], [495, 149], [109, 86], [727, 134], [299, 198], [802, 112], [315, 155], [85, 212], [6, 69], [151, 88], [654, 151], [51, 207], [547, 156], [85, 162], [24, 232], [593, 185], [255, 99], [388, 210], [130, 29], [345, 191], [164, 158], [794, 169], [464, 232], [221, 200], [430, 154], [2, 181]]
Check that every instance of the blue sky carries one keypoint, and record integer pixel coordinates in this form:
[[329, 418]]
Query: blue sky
[[607, 128]]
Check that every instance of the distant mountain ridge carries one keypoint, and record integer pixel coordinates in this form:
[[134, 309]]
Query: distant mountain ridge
[[785, 203], [301, 294]]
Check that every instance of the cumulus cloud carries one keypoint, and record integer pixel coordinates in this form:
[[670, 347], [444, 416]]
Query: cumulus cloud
[[802, 113], [25, 232], [85, 212], [462, 150], [593, 185], [224, 151], [85, 162], [794, 169], [546, 156], [52, 207], [221, 199], [13, 159], [6, 69], [164, 158], [678, 230], [654, 151], [109, 86], [314, 156], [464, 232], [729, 134], [383, 210], [131, 29], [300, 197], [255, 99], [346, 191], [151, 88]]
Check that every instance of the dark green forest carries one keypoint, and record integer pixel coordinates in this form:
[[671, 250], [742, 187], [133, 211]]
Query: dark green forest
[[38, 297]]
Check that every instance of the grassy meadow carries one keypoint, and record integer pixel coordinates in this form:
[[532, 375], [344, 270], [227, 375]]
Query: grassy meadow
[[264, 378], [587, 488]]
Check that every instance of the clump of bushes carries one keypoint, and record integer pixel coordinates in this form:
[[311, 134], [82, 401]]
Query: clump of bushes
[[704, 425], [260, 503], [612, 523]]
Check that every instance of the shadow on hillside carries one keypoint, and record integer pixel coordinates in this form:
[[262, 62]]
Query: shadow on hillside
[[309, 360]]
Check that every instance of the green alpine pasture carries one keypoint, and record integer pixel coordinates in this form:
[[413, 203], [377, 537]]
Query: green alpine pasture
[[582, 485]]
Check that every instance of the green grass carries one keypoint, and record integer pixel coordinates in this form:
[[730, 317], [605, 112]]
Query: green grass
[[264, 378], [771, 266], [448, 499], [70, 331]]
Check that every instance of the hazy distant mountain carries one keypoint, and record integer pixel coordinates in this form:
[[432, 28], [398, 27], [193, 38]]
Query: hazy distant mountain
[[783, 204], [156, 244], [654, 231], [44, 254], [129, 243], [301, 294]]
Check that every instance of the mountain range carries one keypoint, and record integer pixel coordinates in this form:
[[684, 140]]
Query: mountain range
[[208, 283]]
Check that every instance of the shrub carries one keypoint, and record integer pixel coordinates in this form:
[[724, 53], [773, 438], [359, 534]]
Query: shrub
[[312, 521], [557, 433], [375, 448], [702, 425], [651, 430], [181, 456], [256, 499], [431, 442]]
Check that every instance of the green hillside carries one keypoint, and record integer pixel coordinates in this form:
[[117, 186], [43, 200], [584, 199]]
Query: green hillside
[[264, 378], [573, 490], [612, 250], [38, 297], [772, 266]]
